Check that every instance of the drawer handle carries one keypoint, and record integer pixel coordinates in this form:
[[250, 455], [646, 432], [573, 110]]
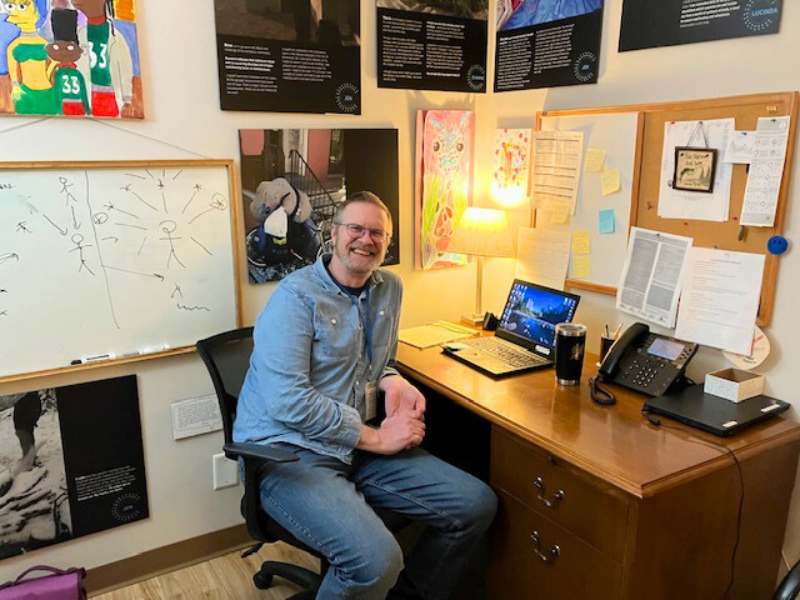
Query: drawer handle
[[552, 502], [548, 556]]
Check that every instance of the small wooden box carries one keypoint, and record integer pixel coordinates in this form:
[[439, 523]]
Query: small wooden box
[[733, 384]]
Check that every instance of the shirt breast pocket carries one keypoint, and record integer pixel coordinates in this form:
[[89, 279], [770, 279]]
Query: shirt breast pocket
[[333, 338]]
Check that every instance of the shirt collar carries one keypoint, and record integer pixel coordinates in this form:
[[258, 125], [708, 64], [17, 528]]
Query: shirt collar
[[319, 268]]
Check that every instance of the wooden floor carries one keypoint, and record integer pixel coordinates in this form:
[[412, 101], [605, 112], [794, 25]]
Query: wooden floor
[[226, 578]]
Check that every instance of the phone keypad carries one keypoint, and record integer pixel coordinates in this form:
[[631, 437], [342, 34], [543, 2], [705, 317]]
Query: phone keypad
[[645, 374]]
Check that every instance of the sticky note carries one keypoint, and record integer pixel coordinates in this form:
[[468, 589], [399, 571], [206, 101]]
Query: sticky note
[[608, 221], [581, 266], [559, 213], [580, 242], [595, 159], [610, 181]]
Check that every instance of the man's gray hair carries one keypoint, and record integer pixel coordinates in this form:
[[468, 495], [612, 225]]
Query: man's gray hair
[[366, 198]]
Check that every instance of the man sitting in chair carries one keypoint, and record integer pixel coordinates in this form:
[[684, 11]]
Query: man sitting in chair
[[324, 346]]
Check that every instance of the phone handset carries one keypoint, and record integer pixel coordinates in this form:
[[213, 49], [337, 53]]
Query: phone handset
[[633, 335]]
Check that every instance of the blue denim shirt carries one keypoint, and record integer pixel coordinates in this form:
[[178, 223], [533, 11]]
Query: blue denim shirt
[[311, 361]]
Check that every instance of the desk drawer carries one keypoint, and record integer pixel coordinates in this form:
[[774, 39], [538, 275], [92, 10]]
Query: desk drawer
[[570, 497], [533, 558]]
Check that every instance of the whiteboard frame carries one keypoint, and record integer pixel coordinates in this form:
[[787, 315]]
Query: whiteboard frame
[[237, 239]]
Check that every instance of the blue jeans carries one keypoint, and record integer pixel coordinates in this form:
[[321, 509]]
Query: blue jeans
[[328, 505]]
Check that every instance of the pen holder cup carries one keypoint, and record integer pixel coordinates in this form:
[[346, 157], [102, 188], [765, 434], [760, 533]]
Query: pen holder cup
[[605, 345]]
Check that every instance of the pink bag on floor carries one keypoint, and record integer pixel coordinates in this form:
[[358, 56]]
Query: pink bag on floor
[[56, 585]]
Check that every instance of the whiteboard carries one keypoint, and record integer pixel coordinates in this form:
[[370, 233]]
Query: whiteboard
[[617, 134], [108, 261]]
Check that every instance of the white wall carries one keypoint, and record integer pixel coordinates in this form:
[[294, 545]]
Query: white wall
[[180, 83]]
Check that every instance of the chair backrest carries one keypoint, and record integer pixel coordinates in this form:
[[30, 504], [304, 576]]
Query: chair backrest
[[227, 358]]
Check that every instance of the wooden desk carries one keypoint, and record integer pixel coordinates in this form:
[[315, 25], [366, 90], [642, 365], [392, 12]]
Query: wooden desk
[[636, 511]]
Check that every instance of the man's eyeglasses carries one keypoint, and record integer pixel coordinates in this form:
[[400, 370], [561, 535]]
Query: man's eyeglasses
[[356, 231]]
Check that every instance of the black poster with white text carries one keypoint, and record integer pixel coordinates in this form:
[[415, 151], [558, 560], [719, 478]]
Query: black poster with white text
[[547, 43], [443, 48], [71, 463], [654, 23], [289, 55]]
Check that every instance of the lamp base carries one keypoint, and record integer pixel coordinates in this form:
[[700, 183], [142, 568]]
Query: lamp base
[[473, 319]]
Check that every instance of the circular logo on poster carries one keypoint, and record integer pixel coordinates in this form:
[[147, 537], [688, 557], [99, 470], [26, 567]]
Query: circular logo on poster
[[760, 15], [127, 508], [476, 78], [585, 67], [347, 97]]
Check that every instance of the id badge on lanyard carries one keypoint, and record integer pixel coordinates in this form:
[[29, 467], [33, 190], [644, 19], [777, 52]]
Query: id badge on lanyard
[[371, 389]]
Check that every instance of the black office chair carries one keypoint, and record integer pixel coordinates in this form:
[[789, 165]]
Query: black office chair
[[789, 588], [227, 357]]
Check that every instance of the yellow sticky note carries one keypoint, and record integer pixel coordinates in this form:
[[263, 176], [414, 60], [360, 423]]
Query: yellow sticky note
[[580, 242], [559, 213], [610, 181], [595, 159], [581, 266]]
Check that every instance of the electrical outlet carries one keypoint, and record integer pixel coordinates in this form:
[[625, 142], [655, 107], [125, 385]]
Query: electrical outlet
[[225, 471]]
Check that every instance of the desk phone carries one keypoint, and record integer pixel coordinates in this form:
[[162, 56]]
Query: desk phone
[[646, 362]]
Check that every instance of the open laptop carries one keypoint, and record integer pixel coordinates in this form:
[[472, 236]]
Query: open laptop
[[716, 415], [525, 338]]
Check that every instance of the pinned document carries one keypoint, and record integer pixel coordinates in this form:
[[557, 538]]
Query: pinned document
[[543, 256], [720, 299], [652, 275], [766, 172]]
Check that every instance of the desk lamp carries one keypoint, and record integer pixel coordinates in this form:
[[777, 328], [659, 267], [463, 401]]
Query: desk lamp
[[482, 232]]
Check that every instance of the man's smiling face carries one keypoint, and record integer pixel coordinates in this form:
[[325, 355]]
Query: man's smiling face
[[360, 255]]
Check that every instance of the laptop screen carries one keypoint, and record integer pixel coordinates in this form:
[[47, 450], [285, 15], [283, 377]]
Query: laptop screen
[[532, 313]]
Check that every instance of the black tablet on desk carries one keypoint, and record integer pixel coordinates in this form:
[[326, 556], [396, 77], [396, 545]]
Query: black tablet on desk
[[710, 413]]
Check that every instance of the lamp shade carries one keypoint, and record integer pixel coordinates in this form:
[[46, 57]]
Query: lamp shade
[[483, 232]]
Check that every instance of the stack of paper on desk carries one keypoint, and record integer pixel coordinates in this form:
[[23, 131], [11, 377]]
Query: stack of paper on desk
[[435, 334]]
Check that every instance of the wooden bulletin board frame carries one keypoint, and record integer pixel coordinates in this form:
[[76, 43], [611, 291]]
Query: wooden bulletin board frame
[[237, 239], [725, 236]]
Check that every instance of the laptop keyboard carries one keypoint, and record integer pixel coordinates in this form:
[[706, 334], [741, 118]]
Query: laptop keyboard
[[505, 352]]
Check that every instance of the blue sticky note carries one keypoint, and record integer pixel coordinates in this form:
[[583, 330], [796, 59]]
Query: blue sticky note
[[608, 221]]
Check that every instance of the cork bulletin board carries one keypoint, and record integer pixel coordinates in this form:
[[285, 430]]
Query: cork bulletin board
[[746, 110]]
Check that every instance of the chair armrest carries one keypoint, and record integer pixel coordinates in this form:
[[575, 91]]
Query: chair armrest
[[259, 451]]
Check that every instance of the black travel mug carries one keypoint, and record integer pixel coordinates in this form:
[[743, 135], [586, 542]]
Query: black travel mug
[[570, 345]]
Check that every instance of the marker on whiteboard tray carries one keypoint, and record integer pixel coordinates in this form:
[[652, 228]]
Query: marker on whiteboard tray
[[91, 359]]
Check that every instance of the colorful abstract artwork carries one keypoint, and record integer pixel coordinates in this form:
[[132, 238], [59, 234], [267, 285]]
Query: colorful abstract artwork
[[443, 183], [75, 58], [512, 150]]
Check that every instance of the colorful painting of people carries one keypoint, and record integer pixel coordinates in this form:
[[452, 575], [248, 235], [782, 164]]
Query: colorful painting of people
[[70, 57]]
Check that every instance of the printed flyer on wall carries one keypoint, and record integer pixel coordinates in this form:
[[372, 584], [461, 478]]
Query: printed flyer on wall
[[654, 23], [432, 44], [289, 55], [547, 43]]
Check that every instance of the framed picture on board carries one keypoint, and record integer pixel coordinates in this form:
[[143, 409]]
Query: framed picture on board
[[695, 169]]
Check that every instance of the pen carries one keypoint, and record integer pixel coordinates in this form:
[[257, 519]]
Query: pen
[[616, 331], [607, 332]]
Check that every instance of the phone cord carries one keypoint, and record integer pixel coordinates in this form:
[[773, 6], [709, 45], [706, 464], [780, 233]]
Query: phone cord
[[601, 395]]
